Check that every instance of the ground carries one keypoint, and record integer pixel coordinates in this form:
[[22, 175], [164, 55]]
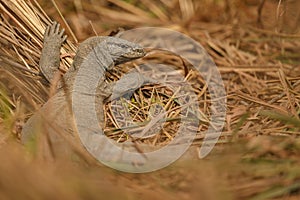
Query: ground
[[255, 46]]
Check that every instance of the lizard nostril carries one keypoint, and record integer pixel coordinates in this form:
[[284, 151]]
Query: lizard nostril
[[142, 51]]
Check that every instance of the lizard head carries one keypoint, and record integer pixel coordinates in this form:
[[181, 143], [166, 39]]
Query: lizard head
[[122, 51]]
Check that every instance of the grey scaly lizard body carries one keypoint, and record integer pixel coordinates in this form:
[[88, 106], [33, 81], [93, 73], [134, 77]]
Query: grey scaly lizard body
[[54, 121]]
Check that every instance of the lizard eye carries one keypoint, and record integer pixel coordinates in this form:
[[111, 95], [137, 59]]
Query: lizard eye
[[123, 46], [139, 51]]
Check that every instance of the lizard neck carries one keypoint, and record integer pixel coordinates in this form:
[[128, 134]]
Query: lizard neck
[[92, 54]]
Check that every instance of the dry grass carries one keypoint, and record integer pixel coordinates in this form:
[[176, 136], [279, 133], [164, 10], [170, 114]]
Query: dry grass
[[257, 156]]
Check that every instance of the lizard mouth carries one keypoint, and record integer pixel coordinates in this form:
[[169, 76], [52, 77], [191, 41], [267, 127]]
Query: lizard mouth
[[135, 54]]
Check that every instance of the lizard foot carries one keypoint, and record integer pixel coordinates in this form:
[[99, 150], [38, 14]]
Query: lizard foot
[[54, 35], [50, 60]]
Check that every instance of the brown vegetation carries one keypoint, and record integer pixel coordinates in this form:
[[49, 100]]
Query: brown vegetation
[[255, 45]]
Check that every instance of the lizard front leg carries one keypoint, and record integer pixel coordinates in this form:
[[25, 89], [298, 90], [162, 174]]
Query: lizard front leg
[[50, 57], [126, 85], [107, 92]]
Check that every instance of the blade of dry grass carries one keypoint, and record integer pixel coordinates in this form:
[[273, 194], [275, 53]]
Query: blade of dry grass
[[65, 22]]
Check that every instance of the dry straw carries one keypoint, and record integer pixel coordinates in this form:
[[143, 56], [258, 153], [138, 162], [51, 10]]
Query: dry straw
[[260, 69]]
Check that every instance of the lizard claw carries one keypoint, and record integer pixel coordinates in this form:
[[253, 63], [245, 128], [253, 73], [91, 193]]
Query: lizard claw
[[56, 27], [47, 31], [64, 38], [62, 32]]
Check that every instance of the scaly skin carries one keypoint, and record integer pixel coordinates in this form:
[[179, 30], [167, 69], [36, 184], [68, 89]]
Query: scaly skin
[[49, 61], [55, 119]]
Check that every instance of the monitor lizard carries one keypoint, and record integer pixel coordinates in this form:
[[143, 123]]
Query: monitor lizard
[[54, 121]]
